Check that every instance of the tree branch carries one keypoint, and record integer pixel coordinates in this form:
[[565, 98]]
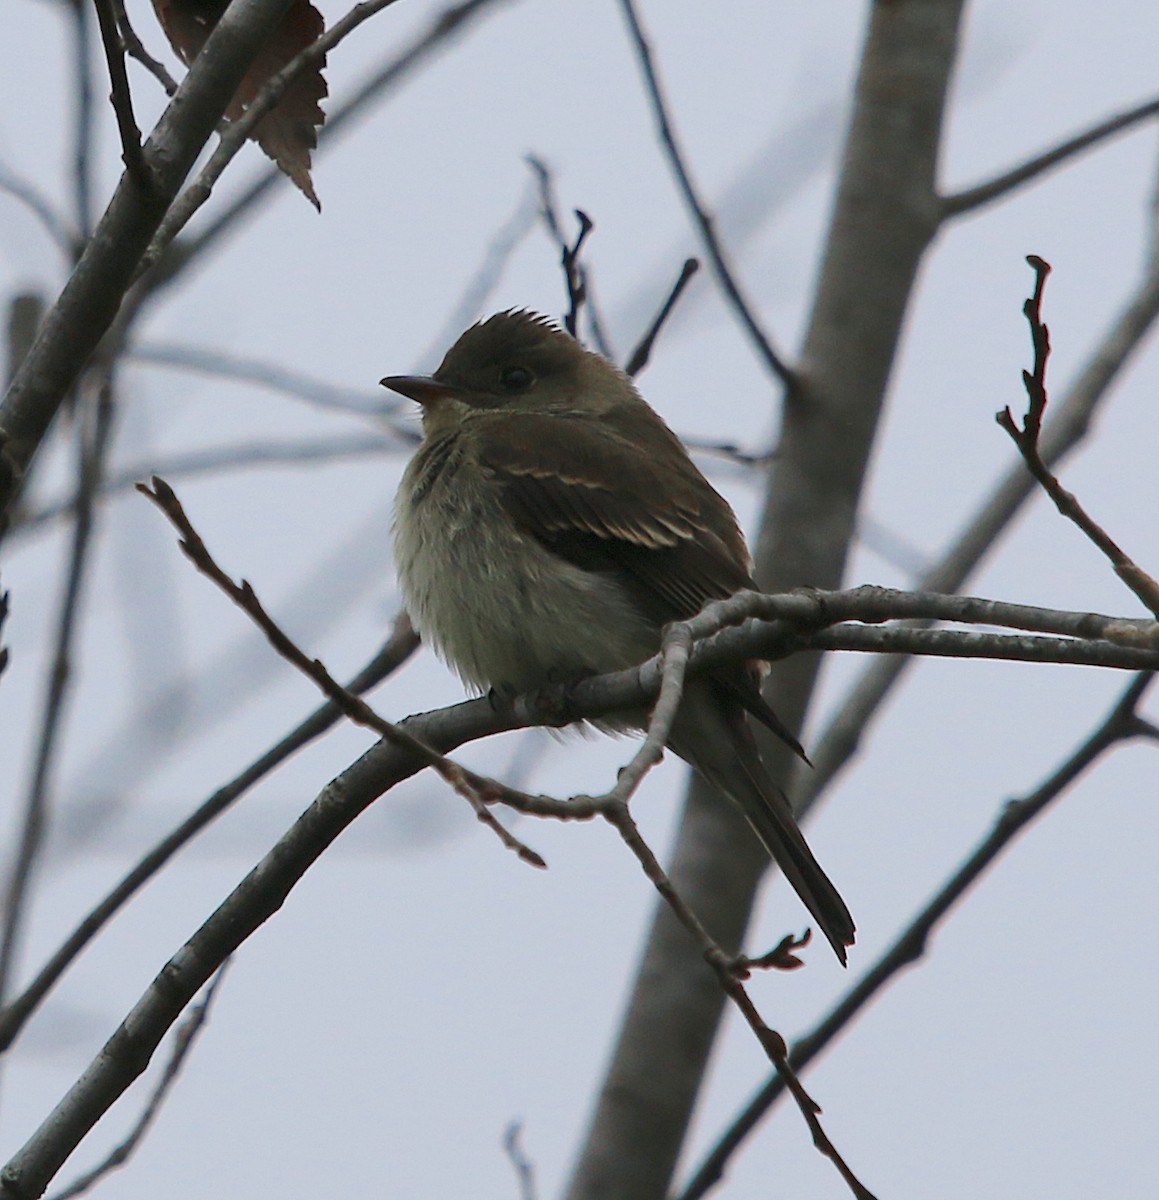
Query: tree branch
[[183, 1043], [639, 357], [725, 276], [958, 203], [1121, 724], [442, 28], [135, 49], [1063, 431], [121, 97], [401, 644], [197, 463], [264, 889], [92, 442], [92, 297], [221, 364], [1026, 437]]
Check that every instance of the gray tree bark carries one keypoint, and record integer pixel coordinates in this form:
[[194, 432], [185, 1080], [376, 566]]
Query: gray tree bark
[[885, 214]]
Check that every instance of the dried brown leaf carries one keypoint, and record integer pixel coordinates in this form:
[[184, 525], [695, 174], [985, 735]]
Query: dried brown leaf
[[288, 133]]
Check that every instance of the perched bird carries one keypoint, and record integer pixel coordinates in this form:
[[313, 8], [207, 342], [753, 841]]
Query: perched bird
[[547, 529]]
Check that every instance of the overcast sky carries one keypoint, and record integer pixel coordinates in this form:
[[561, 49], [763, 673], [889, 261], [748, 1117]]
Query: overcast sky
[[421, 989]]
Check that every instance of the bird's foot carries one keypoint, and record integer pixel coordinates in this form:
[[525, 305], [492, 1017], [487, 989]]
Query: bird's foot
[[554, 703]]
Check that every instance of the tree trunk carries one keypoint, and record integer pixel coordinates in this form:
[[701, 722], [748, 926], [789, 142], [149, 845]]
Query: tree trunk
[[885, 214]]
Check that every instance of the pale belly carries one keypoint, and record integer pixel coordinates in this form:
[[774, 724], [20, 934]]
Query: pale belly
[[499, 608]]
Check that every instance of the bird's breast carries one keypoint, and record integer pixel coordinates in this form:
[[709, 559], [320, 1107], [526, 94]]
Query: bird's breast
[[498, 606]]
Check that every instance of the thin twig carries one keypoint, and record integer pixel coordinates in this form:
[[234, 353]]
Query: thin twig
[[639, 357], [674, 652], [197, 463], [524, 1170], [401, 644], [1026, 438], [135, 49], [93, 445], [183, 1042], [3, 618], [725, 276], [121, 97], [730, 451], [1121, 724], [985, 193], [1067, 427], [730, 978], [473, 788], [232, 139], [576, 277], [84, 129], [222, 364], [443, 27]]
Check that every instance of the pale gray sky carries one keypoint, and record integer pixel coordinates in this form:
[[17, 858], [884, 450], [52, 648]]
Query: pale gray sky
[[421, 988]]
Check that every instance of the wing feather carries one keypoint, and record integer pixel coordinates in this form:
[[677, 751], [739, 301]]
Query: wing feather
[[672, 534], [672, 539]]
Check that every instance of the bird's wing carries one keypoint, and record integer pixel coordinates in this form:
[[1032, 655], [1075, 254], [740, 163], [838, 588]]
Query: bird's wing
[[671, 538], [576, 487]]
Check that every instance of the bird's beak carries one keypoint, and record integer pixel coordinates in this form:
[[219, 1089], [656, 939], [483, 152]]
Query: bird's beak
[[424, 389]]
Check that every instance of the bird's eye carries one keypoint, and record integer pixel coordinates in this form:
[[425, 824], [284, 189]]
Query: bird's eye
[[516, 379]]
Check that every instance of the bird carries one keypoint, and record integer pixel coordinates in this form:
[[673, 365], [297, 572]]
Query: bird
[[549, 526]]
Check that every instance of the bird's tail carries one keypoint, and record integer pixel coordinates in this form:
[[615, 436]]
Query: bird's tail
[[716, 739]]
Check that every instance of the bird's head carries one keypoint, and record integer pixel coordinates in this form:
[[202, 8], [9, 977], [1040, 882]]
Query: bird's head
[[517, 361]]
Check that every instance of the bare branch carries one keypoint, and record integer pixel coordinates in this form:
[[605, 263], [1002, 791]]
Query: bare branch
[[524, 1171], [576, 278], [197, 463], [183, 1043], [1026, 438], [725, 276], [643, 352], [92, 297], [674, 653], [731, 980], [135, 49], [84, 127], [121, 97], [1063, 431], [573, 276], [401, 644], [986, 193], [441, 30], [730, 451], [3, 618], [1121, 724], [224, 365], [473, 788], [236, 133], [93, 442]]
